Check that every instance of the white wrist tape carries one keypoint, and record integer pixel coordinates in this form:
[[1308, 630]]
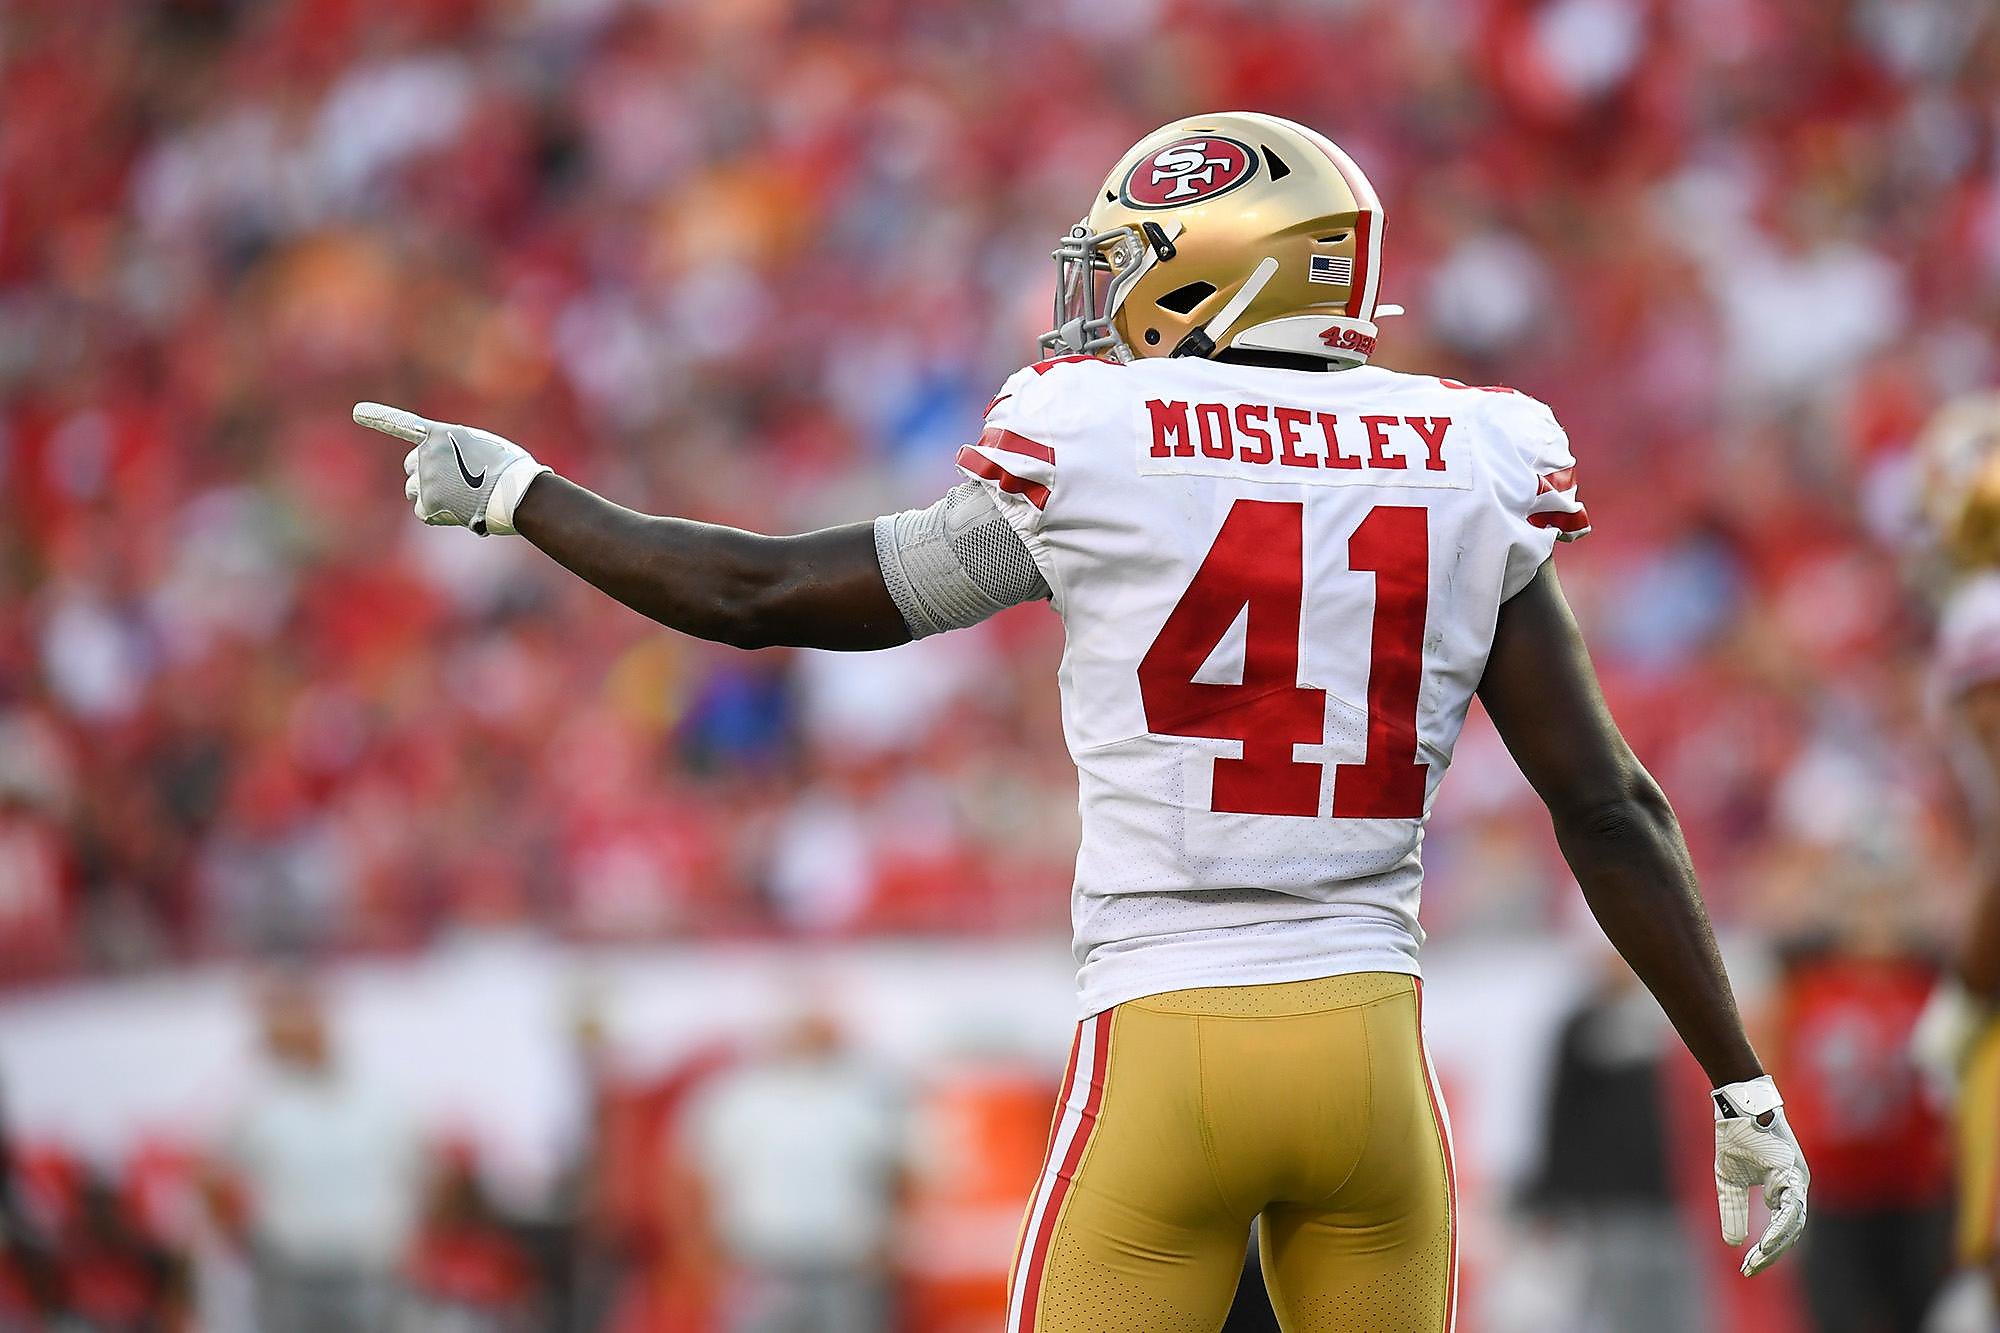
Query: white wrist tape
[[508, 489], [1752, 1097]]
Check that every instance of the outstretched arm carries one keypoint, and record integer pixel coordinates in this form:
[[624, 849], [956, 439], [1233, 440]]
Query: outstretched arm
[[1615, 827], [820, 590]]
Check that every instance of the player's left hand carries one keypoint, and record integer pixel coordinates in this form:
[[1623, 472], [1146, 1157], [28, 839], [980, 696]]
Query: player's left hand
[[1754, 1146], [456, 475]]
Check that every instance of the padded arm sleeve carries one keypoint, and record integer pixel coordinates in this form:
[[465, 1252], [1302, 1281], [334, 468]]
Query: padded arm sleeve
[[955, 563]]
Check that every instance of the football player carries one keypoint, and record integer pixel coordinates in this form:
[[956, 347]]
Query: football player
[[1957, 1040], [1282, 574]]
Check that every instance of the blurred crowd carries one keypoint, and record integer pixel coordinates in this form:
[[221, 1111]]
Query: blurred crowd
[[763, 262], [785, 1177], [773, 1183]]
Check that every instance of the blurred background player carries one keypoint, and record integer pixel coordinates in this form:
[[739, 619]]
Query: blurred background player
[[1605, 1176], [1848, 995], [793, 1169], [1958, 1037], [328, 1173]]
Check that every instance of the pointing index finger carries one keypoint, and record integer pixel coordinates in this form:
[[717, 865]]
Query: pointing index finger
[[405, 426]]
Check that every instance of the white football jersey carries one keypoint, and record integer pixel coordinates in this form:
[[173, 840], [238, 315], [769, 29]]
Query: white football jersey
[[1278, 590]]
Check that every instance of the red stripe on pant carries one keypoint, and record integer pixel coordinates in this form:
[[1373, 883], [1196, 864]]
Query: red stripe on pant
[[1032, 1221], [1093, 1040], [1062, 1105], [1450, 1168]]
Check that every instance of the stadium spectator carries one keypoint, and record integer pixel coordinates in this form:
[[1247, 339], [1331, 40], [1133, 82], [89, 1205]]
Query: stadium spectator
[[30, 1288], [468, 1271], [1879, 1247]]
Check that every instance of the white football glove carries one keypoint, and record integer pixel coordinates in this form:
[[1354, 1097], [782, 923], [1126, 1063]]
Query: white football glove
[[1754, 1146], [1944, 1034], [456, 475]]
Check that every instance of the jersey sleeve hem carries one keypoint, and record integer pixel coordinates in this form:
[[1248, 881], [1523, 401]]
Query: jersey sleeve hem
[[1017, 468], [1539, 487], [1023, 515]]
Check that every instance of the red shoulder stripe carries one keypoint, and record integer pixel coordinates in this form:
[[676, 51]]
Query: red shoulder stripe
[[1044, 367], [995, 438], [979, 465], [1576, 522], [1561, 480]]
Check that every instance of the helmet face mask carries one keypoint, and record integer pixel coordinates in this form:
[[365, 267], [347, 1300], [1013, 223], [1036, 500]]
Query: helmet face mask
[[1238, 230], [1095, 273]]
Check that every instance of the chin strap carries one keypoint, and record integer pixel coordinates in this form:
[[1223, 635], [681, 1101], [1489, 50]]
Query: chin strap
[[1204, 340]]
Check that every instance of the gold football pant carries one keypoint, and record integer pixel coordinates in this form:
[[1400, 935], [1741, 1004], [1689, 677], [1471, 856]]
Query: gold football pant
[[1309, 1105], [1978, 1128]]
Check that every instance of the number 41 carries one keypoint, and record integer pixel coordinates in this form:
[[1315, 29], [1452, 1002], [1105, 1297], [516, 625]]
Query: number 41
[[1258, 561]]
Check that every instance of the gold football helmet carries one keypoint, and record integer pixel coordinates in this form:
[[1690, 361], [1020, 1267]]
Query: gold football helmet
[[1238, 230], [1959, 453]]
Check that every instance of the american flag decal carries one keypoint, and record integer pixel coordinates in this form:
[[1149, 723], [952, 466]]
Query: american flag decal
[[1331, 268]]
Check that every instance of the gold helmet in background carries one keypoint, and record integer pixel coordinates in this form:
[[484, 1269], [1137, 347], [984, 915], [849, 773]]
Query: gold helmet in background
[[1959, 453], [1231, 231]]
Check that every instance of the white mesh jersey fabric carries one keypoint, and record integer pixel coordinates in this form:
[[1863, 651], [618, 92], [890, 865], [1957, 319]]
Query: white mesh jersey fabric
[[1119, 481]]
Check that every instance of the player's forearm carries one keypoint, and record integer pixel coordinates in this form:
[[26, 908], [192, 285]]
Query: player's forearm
[[1629, 857], [820, 590]]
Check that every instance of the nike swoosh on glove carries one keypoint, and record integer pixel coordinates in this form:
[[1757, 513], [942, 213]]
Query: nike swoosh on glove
[[1754, 1146], [456, 475]]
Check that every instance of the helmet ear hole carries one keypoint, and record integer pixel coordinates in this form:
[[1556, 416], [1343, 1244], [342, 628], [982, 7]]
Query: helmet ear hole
[[1152, 337], [1182, 300]]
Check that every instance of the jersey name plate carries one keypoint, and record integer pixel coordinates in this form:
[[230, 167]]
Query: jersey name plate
[[1293, 445]]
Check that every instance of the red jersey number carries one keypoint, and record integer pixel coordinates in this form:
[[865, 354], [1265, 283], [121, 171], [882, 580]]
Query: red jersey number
[[1258, 562]]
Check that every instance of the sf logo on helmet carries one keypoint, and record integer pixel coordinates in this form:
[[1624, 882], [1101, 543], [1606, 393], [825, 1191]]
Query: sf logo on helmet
[[1187, 171]]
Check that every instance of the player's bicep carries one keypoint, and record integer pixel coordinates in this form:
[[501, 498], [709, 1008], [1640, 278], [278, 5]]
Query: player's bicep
[[1541, 690], [955, 563]]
